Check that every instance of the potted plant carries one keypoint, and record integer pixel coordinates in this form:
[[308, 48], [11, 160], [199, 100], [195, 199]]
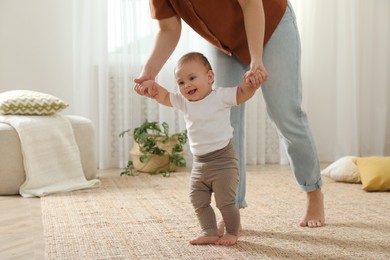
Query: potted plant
[[155, 151]]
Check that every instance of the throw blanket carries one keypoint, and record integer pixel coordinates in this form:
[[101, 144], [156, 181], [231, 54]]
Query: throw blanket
[[50, 155]]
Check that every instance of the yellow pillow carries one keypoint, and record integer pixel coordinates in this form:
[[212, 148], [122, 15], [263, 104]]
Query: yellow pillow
[[374, 172]]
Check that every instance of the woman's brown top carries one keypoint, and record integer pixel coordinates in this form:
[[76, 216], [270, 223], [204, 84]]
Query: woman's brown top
[[220, 22]]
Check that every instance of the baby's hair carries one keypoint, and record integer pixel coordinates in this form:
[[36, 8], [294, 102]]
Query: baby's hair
[[191, 56]]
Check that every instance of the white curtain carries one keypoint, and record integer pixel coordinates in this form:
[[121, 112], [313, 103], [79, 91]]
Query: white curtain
[[345, 70], [90, 70], [346, 65]]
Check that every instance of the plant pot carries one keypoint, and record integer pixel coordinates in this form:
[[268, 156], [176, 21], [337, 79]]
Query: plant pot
[[155, 162]]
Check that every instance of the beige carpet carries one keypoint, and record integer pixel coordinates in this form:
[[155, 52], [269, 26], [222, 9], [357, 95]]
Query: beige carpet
[[150, 217]]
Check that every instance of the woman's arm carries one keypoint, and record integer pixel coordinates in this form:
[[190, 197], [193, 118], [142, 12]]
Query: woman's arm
[[254, 20], [165, 43]]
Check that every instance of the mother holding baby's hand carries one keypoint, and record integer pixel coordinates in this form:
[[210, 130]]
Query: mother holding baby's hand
[[250, 35]]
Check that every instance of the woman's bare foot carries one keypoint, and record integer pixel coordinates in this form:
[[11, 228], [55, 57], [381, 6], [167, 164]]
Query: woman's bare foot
[[315, 214], [204, 240], [227, 240]]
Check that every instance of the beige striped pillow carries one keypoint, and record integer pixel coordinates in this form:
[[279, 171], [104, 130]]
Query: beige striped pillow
[[28, 102]]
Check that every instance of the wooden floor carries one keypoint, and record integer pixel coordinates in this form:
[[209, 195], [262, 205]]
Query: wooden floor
[[21, 230]]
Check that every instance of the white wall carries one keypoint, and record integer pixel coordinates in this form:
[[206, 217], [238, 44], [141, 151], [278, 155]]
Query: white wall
[[36, 47]]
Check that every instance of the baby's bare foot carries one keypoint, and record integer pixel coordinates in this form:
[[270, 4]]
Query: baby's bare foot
[[227, 240], [315, 215], [204, 240], [221, 228]]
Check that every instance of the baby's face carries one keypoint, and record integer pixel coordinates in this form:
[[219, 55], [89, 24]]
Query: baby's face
[[194, 80]]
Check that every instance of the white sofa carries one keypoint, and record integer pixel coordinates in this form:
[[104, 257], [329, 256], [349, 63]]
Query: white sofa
[[12, 173]]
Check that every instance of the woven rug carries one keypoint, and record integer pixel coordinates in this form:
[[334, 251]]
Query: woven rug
[[150, 217]]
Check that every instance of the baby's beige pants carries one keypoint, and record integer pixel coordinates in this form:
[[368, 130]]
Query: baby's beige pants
[[216, 172]]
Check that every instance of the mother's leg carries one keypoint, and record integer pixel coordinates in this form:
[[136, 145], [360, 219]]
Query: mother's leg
[[229, 72], [282, 94]]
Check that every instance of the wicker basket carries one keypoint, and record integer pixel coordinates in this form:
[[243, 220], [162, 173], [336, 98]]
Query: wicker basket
[[156, 162]]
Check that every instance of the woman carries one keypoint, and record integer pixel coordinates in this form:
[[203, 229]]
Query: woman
[[257, 36]]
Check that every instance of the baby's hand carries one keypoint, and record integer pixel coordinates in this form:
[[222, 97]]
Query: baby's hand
[[253, 79], [147, 88]]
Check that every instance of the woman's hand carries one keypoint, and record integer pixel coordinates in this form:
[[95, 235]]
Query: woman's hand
[[257, 75], [146, 88], [138, 82], [253, 79]]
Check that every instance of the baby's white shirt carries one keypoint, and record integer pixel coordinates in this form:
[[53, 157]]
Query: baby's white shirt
[[207, 120]]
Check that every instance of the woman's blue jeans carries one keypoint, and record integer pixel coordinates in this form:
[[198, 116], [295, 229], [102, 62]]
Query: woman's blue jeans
[[282, 95]]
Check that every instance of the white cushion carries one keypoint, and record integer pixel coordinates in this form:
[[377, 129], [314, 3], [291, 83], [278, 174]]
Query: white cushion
[[343, 170]]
